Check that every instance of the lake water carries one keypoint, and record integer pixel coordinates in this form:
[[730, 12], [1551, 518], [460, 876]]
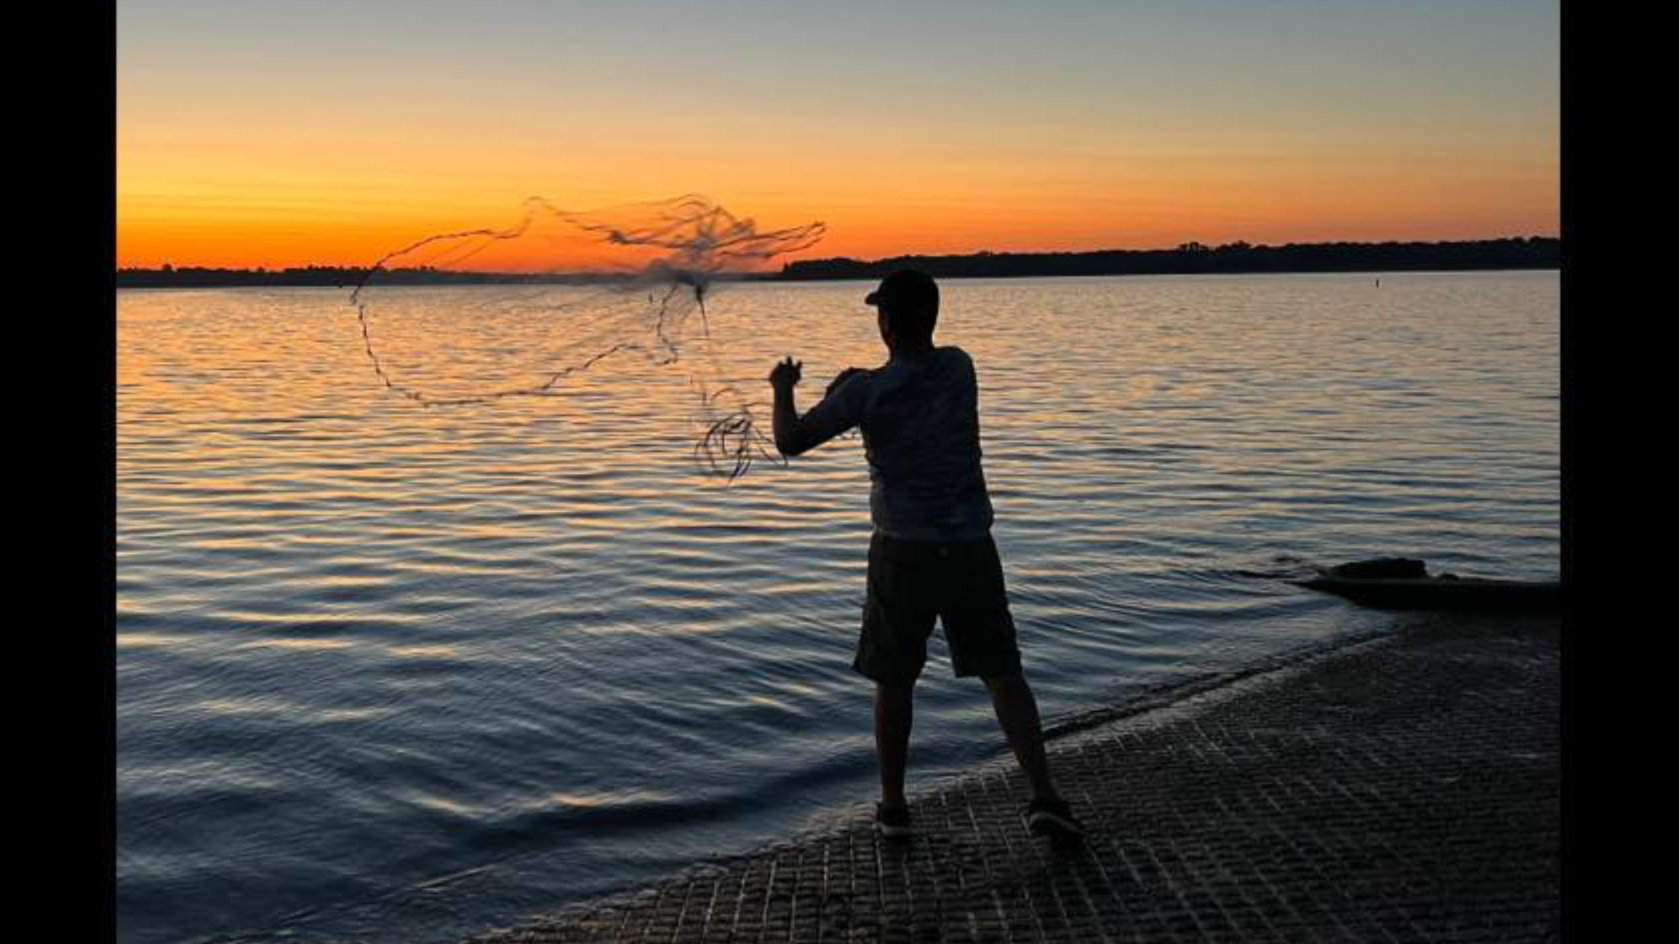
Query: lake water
[[396, 673]]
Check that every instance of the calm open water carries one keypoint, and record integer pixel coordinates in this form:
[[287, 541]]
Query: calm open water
[[391, 673]]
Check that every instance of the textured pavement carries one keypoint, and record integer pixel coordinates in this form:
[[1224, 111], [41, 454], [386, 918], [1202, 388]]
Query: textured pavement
[[1400, 789]]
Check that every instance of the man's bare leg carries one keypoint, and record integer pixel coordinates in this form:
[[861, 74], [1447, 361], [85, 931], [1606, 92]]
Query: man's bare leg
[[894, 710], [1017, 713]]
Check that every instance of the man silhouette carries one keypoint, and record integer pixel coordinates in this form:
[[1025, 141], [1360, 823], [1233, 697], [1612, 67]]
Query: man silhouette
[[932, 555]]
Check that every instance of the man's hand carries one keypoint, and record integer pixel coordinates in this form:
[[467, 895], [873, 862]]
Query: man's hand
[[786, 374], [840, 379]]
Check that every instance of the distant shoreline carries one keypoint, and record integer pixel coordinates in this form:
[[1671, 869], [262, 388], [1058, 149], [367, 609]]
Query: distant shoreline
[[1239, 258]]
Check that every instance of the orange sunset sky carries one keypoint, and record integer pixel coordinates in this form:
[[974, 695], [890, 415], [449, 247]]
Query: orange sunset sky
[[313, 133]]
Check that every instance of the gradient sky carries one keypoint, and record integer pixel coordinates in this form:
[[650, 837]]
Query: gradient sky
[[263, 133]]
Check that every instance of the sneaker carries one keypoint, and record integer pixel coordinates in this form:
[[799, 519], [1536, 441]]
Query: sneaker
[[1053, 818], [892, 822]]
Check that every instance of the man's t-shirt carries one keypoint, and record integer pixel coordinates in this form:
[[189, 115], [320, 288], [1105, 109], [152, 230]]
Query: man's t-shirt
[[920, 419]]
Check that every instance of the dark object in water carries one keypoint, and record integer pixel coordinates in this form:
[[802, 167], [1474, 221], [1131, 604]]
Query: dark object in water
[[1381, 568], [1404, 584]]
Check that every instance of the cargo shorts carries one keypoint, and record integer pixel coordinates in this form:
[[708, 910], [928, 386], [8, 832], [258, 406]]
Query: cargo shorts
[[912, 583]]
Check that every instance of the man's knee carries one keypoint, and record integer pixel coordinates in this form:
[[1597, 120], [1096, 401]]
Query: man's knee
[[1007, 684], [895, 691]]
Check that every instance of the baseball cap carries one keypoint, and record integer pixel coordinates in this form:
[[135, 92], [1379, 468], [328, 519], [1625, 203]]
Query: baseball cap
[[905, 289]]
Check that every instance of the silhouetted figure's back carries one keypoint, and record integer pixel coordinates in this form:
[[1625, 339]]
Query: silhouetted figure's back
[[920, 420]]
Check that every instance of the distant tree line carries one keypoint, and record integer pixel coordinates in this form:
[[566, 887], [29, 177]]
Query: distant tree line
[[1534, 252]]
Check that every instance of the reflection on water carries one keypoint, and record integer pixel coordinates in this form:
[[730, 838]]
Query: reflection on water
[[409, 673]]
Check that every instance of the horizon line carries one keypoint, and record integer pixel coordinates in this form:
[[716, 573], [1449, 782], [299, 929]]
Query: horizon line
[[1191, 245]]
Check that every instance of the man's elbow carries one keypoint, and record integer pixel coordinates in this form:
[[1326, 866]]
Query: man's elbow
[[792, 445], [793, 439]]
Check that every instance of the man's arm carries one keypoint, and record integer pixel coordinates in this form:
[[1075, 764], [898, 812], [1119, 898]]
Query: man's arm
[[790, 436], [795, 434]]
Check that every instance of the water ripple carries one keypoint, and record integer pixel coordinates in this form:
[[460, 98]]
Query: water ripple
[[369, 651]]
